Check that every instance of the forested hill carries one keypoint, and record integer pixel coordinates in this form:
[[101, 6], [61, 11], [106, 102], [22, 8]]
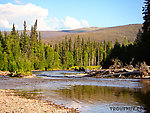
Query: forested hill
[[99, 34]]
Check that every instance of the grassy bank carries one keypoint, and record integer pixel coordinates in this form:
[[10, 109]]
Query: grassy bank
[[85, 67], [30, 75]]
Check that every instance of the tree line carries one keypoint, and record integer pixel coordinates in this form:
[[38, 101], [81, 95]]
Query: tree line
[[22, 52]]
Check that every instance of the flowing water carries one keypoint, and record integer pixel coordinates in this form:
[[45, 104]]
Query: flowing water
[[89, 95]]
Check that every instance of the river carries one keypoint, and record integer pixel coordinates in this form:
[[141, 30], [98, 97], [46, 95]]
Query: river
[[87, 94]]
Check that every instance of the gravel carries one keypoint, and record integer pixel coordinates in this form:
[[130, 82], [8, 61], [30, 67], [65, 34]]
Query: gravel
[[16, 104]]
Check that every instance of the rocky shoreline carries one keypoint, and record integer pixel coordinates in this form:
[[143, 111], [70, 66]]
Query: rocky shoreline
[[22, 75], [16, 104]]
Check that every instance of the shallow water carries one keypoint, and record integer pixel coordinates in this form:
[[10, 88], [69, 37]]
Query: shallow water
[[87, 94]]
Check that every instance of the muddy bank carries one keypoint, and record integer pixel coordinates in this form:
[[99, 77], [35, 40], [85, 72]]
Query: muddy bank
[[10, 103]]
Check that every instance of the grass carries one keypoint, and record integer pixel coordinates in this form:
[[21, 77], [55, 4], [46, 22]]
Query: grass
[[85, 67]]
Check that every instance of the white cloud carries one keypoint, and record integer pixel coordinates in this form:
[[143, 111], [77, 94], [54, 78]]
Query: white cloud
[[18, 13], [4, 24], [18, 2], [72, 23], [85, 23], [55, 23]]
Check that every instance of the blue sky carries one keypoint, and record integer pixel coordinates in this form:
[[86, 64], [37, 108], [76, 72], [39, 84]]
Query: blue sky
[[71, 14]]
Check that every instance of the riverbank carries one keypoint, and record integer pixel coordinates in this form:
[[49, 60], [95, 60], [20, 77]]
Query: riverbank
[[22, 75], [10, 103], [4, 73], [85, 94]]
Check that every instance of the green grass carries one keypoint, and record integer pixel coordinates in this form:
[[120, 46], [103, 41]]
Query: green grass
[[85, 67]]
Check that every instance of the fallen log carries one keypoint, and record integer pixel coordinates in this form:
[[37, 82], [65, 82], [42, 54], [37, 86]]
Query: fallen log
[[120, 73], [124, 74]]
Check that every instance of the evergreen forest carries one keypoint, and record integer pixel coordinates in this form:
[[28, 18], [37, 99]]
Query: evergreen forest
[[22, 52]]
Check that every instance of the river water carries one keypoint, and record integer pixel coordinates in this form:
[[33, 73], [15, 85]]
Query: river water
[[89, 95]]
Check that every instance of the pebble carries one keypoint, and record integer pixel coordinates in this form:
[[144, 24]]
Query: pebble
[[16, 104]]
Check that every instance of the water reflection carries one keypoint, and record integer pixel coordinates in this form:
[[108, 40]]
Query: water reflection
[[34, 94], [95, 93], [143, 96], [87, 95]]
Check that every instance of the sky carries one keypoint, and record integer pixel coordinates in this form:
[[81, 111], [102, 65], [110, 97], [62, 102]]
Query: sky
[[69, 14]]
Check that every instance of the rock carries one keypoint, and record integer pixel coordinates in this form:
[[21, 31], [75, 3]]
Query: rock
[[4, 73], [16, 104]]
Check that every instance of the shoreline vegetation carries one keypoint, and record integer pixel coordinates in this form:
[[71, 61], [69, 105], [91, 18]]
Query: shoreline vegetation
[[22, 53], [116, 70], [17, 104]]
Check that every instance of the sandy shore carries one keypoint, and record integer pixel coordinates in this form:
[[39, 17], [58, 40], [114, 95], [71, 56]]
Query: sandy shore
[[9, 103]]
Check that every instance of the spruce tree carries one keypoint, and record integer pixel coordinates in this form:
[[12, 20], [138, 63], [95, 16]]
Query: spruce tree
[[79, 59], [5, 62], [13, 32], [70, 59], [146, 24], [70, 45], [56, 60], [1, 57], [85, 58], [109, 47], [101, 52], [75, 54]]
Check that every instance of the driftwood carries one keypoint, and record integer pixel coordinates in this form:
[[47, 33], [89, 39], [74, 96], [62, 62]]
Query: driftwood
[[119, 73], [117, 70], [123, 74]]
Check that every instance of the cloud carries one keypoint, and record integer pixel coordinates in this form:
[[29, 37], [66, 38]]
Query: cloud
[[72, 23], [5, 24], [18, 2], [18, 13], [55, 23], [85, 23]]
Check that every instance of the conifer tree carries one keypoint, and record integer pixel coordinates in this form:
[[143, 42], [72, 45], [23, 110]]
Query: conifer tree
[[56, 59], [64, 56], [88, 51], [101, 52], [105, 50], [1, 57], [70, 60], [70, 45], [83, 52], [146, 24], [75, 54], [98, 54], [79, 59], [56, 47], [5, 62], [13, 32], [85, 58], [109, 47], [40, 40], [66, 44]]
